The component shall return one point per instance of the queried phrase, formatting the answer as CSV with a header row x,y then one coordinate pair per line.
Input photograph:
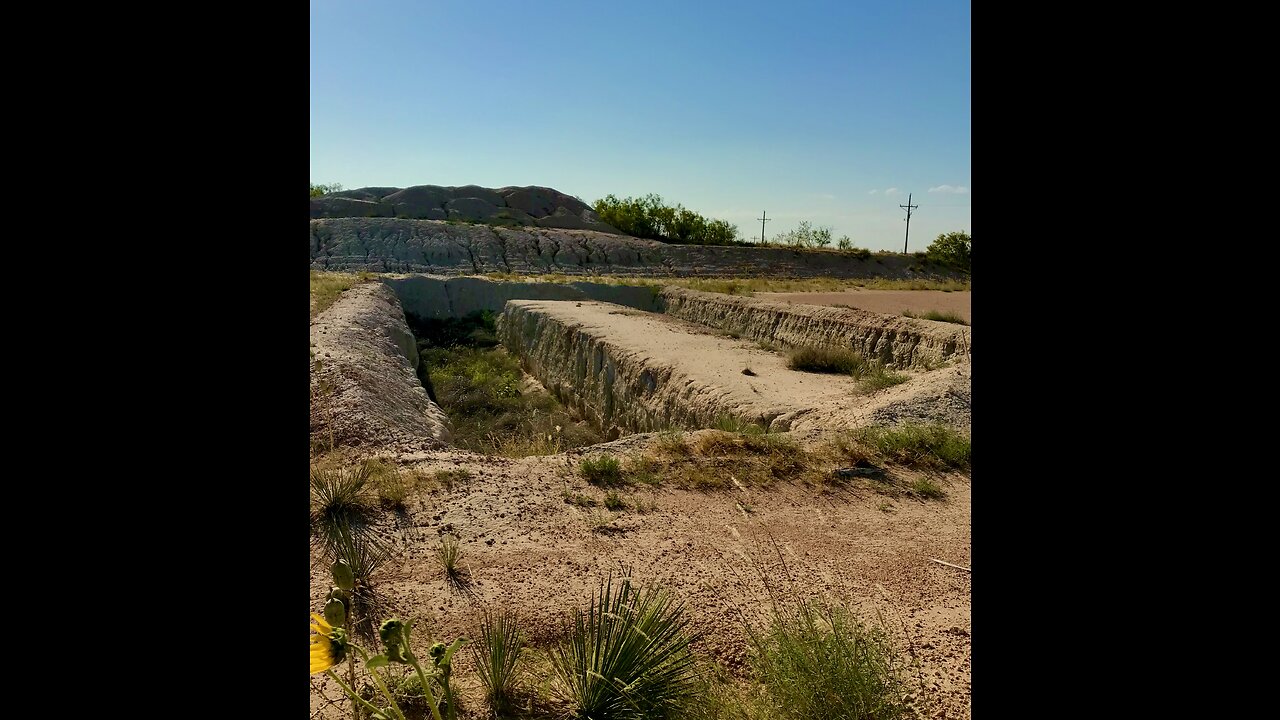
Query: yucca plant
x,y
365,554
627,657
341,506
449,554
497,654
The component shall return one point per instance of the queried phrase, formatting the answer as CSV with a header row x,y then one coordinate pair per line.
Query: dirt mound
x,y
364,389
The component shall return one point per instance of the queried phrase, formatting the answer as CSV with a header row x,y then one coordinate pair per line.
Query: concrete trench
x,y
640,359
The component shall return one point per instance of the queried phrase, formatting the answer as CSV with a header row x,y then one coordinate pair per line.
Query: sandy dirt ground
x,y
529,550
884,301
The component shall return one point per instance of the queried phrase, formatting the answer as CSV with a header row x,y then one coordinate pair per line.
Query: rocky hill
x,y
434,229
443,248
530,205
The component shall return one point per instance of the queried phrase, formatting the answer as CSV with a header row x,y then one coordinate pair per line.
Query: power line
x,y
909,208
764,219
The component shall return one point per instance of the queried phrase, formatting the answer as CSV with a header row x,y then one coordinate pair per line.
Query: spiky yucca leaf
x,y
340,506
628,656
501,641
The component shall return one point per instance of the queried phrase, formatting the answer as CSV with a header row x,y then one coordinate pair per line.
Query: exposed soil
x,y
530,551
892,302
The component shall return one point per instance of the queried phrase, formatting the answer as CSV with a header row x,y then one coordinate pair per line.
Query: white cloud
x,y
891,191
953,189
873,192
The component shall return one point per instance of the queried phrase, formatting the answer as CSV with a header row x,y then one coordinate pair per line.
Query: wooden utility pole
x,y
765,218
909,208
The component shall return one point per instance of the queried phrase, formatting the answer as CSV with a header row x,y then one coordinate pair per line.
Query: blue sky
x,y
823,111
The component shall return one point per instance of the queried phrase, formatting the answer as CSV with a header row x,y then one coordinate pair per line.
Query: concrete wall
x,y
444,297
895,340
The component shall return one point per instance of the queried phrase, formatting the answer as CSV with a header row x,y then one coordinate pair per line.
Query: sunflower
x,y
328,645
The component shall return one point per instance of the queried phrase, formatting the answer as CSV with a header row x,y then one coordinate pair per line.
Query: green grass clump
x,y
327,287
392,487
614,501
922,445
627,656
579,499
926,488
880,377
448,478
827,360
818,662
947,317
601,470
500,642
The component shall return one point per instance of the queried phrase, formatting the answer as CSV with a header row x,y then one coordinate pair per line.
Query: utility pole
x,y
765,218
909,208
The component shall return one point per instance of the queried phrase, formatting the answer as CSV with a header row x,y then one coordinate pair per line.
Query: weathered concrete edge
x,y
895,340
609,383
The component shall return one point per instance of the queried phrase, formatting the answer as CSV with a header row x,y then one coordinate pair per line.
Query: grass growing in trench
x,y
479,386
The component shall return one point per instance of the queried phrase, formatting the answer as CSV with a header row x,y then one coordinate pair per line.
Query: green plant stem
x,y
395,706
351,673
355,698
426,688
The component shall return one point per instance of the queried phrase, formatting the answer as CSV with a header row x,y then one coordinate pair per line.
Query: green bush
x,y
804,236
953,248
649,218
322,189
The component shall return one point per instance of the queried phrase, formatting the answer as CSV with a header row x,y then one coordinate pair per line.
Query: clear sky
x,y
823,111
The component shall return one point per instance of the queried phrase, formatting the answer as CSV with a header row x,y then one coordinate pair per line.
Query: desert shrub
x,y
826,360
650,218
947,317
953,248
324,189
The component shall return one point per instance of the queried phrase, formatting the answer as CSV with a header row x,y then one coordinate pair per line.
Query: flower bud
x,y
343,576
392,630
335,612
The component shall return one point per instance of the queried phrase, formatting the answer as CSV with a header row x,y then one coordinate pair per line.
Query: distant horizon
x,y
756,238
830,112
